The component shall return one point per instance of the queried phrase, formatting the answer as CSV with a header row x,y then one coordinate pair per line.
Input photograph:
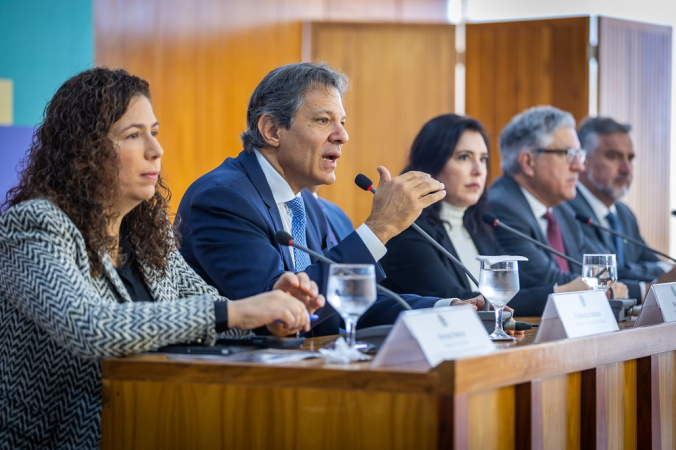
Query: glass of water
x,y
498,283
351,291
599,271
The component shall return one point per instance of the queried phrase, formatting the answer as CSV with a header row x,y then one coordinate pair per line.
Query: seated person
x,y
454,150
89,266
294,139
606,180
541,159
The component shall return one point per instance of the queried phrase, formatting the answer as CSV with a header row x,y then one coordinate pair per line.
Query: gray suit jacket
x,y
57,322
508,203
640,264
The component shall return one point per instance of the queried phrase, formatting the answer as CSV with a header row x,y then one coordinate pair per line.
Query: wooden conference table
x,y
616,390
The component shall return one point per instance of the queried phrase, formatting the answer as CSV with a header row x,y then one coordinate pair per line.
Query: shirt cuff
x,y
221,313
372,242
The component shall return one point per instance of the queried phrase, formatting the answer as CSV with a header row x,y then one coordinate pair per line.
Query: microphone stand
x,y
627,239
487,316
621,307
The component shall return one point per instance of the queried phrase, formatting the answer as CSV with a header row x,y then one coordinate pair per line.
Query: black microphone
x,y
493,221
363,182
673,213
284,238
590,222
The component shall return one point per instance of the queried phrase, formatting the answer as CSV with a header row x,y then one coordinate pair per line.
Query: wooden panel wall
x,y
203,59
401,75
635,87
511,66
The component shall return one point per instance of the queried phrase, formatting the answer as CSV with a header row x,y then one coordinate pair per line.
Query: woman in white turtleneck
x,y
454,150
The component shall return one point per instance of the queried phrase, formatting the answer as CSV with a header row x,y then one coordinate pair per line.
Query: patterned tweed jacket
x,y
56,322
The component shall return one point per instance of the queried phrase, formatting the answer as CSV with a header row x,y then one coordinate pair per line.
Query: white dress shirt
x,y
452,216
282,193
538,208
600,210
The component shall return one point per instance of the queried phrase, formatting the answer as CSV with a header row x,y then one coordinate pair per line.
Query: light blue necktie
x,y
614,223
297,207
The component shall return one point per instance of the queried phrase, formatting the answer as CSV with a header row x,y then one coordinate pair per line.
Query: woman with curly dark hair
x,y
454,150
89,265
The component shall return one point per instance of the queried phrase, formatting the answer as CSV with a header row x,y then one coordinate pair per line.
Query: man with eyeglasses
x,y
608,176
541,161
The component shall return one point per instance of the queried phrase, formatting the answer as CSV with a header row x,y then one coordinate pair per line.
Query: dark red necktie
x,y
556,241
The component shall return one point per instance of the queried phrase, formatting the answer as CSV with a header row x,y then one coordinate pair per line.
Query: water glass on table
x,y
351,291
498,283
599,271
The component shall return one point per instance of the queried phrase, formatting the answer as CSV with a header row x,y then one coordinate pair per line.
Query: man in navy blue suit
x,y
294,139
541,160
608,176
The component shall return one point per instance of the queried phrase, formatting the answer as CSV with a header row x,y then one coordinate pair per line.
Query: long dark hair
x,y
72,162
433,147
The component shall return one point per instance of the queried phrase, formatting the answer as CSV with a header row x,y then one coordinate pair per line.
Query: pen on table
x,y
312,318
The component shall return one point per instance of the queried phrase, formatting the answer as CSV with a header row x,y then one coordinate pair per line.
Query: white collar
x,y
538,208
600,210
451,213
281,190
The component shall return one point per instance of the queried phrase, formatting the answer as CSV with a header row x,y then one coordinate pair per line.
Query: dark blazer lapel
x,y
111,273
587,210
315,218
438,232
523,205
257,177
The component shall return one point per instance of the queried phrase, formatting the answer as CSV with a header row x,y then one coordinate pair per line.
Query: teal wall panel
x,y
42,44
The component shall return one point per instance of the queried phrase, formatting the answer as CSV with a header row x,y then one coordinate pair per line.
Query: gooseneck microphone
x,y
590,222
363,182
493,221
284,238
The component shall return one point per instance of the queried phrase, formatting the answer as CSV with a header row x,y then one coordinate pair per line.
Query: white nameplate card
x,y
423,338
659,305
575,314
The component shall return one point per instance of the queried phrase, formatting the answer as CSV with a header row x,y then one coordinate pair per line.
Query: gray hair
x,y
281,94
591,127
530,130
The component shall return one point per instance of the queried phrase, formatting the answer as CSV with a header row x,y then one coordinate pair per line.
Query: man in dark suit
x,y
338,223
610,171
295,133
541,160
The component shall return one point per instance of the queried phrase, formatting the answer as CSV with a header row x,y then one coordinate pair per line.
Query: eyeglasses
x,y
570,153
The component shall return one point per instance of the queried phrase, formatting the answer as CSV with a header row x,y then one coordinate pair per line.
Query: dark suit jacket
x,y
338,220
508,203
228,223
640,264
414,265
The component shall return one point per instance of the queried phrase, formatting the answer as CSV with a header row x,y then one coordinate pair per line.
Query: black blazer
x,y
640,264
413,265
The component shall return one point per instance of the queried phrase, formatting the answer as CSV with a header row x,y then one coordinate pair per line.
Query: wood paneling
x,y
582,393
204,58
511,66
401,75
635,87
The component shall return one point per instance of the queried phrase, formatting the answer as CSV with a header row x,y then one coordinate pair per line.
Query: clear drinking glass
x,y
351,291
498,283
599,271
